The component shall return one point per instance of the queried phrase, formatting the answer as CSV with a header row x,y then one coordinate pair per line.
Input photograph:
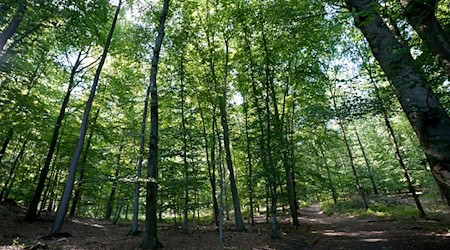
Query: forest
x,y
224,124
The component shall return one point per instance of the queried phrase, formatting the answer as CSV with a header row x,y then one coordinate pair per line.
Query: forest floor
x,y
318,231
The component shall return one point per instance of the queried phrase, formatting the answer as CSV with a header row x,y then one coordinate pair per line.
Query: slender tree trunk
x,y
5,144
222,186
421,15
13,170
366,160
211,162
256,103
250,164
62,209
396,146
287,165
399,157
426,115
292,154
53,194
273,176
127,206
340,184
77,195
11,29
227,204
185,162
150,235
134,222
112,195
118,211
226,139
330,181
32,209
350,156
352,164
53,183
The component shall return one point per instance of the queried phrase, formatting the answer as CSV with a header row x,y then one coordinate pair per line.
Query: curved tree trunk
x,y
62,209
425,113
32,209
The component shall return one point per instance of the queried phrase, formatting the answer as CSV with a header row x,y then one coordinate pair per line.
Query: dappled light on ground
x,y
87,223
317,231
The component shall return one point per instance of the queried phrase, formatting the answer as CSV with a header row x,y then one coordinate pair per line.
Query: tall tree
x,y
184,129
359,187
425,113
62,209
151,234
32,209
226,141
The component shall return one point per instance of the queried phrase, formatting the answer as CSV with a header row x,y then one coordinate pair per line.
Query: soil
x,y
318,231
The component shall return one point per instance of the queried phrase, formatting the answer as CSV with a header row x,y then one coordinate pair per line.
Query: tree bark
x,y
421,15
77,195
5,144
150,235
11,29
62,209
32,209
426,115
134,222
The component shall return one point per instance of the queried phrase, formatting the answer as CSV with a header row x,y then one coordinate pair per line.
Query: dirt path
x,y
346,232
318,231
